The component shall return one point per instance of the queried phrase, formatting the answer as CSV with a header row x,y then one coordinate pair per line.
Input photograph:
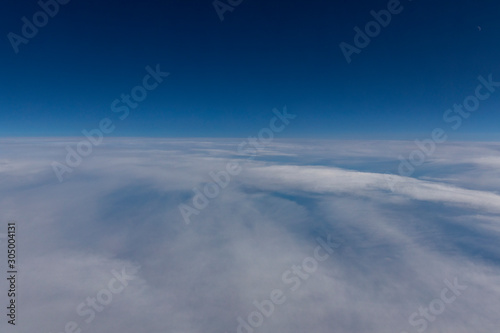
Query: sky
x,y
226,76
250,166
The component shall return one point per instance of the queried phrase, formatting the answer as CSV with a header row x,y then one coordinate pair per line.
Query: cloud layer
x,y
401,237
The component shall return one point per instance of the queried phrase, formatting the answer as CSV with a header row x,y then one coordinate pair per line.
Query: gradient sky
x,y
227,76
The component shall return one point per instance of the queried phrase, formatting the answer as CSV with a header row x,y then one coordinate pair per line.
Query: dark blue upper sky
x,y
227,76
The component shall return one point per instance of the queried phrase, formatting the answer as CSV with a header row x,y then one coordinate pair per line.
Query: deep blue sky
x,y
226,77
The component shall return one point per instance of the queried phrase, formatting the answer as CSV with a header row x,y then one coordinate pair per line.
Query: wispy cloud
x,y
119,209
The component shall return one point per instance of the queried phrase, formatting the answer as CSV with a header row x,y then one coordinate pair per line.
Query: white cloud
x,y
119,208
